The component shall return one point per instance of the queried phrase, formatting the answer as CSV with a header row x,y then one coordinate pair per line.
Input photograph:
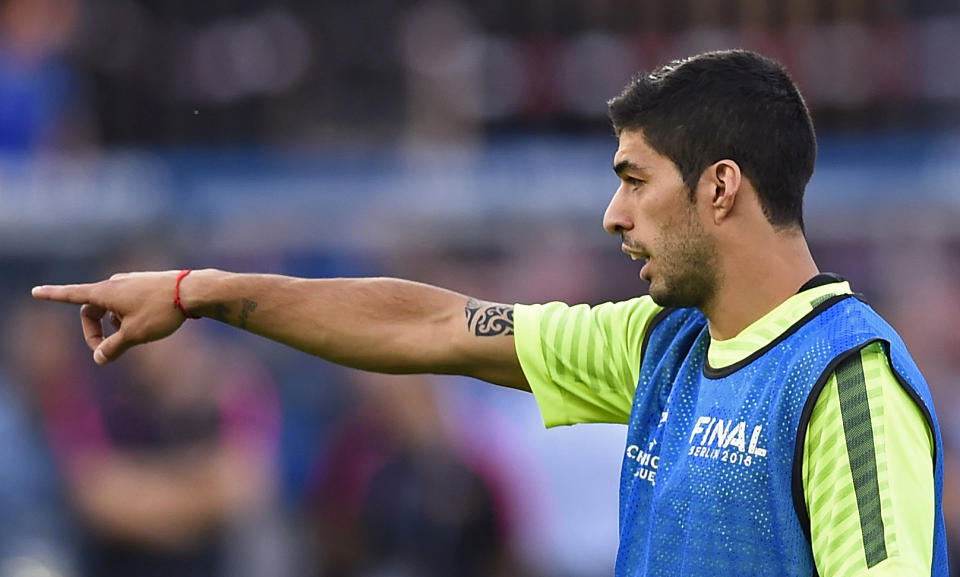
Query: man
x,y
777,425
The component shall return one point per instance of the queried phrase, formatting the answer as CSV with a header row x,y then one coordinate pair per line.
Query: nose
x,y
615,219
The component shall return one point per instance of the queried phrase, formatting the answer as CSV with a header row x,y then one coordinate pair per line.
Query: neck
x,y
765,273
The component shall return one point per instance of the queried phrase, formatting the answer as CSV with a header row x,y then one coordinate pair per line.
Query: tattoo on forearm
x,y
488,320
221,312
248,307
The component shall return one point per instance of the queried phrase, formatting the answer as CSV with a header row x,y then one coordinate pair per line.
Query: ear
x,y
722,181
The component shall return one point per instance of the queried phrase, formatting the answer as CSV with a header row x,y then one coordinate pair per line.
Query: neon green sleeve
x,y
868,474
582,363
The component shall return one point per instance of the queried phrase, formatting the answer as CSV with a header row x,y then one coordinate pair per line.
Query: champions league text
x,y
711,438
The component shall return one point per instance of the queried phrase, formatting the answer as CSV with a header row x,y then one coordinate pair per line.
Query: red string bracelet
x,y
177,303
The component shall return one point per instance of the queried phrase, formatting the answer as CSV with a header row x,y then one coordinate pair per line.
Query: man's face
x,y
653,214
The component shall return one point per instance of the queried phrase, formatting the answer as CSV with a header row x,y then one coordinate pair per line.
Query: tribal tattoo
x,y
221,312
248,307
224,314
488,320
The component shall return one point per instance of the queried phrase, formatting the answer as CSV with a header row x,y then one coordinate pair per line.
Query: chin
x,y
659,294
667,298
663,300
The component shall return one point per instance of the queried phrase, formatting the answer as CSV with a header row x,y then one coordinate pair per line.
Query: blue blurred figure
x,y
36,536
37,86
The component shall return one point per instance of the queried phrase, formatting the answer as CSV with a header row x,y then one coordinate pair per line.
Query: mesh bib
x,y
710,483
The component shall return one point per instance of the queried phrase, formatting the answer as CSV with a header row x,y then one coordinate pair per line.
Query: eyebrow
x,y
625,165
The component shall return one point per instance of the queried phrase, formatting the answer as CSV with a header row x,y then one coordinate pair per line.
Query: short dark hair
x,y
731,104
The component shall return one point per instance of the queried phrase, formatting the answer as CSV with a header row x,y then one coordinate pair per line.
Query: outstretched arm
x,y
377,324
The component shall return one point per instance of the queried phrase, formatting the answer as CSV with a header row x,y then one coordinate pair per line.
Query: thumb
x,y
111,348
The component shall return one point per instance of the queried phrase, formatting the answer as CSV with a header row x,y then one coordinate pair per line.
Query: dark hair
x,y
728,104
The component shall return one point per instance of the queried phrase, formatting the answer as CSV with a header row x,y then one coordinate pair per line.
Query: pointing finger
x,y
77,294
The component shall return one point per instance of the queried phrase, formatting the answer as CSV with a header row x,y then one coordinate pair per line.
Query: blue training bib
x,y
710,483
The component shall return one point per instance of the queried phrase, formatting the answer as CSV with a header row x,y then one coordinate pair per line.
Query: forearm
x,y
378,324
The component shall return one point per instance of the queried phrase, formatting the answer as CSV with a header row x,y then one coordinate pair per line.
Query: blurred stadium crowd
x,y
458,143
131,72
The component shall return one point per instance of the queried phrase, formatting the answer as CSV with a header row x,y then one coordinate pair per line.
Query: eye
x,y
632,181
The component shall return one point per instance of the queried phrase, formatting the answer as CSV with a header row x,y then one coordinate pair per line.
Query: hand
x,y
140,308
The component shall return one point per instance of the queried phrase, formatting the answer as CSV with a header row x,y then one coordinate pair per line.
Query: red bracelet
x,y
177,303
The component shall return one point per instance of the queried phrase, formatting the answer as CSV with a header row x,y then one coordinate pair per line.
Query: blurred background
x,y
460,143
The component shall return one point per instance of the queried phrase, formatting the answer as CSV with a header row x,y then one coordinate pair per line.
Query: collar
x,y
771,325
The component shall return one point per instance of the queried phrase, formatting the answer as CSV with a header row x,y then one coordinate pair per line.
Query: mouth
x,y
635,254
